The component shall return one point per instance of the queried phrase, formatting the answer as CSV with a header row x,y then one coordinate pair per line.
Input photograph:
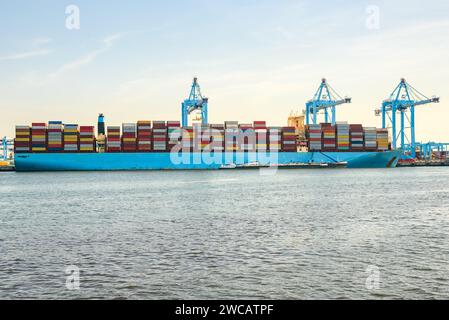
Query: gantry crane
x,y
402,102
195,102
324,99
6,146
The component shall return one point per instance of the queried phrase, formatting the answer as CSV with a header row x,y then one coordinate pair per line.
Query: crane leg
x,y
393,125
402,129
412,129
307,115
204,114
334,116
184,116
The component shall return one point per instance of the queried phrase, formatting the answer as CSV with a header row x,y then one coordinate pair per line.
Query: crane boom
x,y
324,99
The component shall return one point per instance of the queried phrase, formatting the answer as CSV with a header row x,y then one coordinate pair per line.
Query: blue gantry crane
x,y
6,146
325,99
195,102
426,150
402,103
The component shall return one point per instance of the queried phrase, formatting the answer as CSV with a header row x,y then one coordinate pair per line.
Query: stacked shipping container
x,y
55,136
38,137
159,136
87,139
343,136
289,139
260,127
382,139
329,137
174,134
113,143
315,135
144,134
129,137
218,137
71,138
247,138
370,139
357,140
22,141
187,139
231,135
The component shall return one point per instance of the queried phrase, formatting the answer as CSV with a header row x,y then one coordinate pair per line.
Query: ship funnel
x,y
101,130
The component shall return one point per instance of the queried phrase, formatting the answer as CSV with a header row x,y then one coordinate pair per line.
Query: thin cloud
x,y
89,57
42,41
26,55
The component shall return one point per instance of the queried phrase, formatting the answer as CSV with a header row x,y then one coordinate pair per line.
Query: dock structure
x,y
7,166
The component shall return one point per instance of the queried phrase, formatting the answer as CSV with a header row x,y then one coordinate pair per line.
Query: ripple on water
x,y
232,235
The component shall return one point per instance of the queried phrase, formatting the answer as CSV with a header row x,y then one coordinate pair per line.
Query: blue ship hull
x,y
192,161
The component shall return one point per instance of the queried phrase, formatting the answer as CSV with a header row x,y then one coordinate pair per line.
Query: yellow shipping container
x,y
129,139
22,139
39,136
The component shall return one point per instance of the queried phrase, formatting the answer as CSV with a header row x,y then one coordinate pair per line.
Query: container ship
x,y
167,145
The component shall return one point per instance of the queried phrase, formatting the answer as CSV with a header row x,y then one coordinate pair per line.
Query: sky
x,y
255,60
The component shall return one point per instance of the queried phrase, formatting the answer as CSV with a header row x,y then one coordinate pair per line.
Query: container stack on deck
x,y
22,141
159,136
38,137
218,137
382,140
275,139
315,135
260,127
204,138
71,138
129,137
289,139
144,136
174,135
87,139
113,143
55,136
187,139
357,141
343,137
247,138
231,135
370,139
329,137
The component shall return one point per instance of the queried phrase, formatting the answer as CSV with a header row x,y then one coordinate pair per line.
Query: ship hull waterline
x,y
124,161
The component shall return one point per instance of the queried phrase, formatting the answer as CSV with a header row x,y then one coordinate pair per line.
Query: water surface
x,y
304,234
